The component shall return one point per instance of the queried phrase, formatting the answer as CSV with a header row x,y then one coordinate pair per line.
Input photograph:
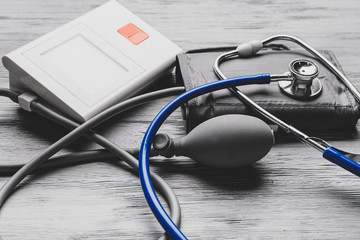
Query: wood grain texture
x,y
291,193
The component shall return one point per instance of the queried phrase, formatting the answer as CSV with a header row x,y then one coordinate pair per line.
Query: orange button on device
x,y
133,33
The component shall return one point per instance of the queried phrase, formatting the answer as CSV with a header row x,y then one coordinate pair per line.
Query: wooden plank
x,y
291,193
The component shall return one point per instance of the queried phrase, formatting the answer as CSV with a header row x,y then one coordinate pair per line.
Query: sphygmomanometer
x,y
329,105
96,66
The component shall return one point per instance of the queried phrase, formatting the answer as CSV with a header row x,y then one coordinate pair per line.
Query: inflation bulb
x,y
226,141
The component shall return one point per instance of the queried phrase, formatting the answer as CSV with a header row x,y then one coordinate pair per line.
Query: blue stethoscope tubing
x,y
163,218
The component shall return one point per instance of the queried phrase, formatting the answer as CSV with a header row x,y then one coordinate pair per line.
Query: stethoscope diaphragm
x,y
305,84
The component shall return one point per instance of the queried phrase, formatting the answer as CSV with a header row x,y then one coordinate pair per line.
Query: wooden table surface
x,y
293,193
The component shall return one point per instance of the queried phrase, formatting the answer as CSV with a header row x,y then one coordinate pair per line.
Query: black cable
x,y
63,160
13,95
62,120
71,159
83,129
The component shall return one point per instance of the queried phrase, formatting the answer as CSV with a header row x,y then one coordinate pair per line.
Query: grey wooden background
x,y
293,193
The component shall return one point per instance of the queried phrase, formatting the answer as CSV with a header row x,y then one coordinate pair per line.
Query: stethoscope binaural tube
x,y
171,229
343,159
274,78
348,161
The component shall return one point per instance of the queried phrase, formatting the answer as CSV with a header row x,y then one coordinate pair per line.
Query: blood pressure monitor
x,y
92,62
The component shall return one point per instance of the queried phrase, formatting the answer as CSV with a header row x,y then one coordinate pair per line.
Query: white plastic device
x,y
92,62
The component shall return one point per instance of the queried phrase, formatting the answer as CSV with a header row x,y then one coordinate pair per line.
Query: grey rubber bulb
x,y
227,141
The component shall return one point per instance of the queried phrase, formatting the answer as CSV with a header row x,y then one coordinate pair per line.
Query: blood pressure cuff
x,y
335,108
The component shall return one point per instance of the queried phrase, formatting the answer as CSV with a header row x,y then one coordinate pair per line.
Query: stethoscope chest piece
x,y
305,84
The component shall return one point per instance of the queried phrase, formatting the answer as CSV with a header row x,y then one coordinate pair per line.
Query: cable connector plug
x,y
26,99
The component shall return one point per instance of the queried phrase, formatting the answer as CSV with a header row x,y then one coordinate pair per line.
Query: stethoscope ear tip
x,y
249,49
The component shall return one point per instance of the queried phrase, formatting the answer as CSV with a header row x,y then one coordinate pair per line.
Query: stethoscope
x,y
300,82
